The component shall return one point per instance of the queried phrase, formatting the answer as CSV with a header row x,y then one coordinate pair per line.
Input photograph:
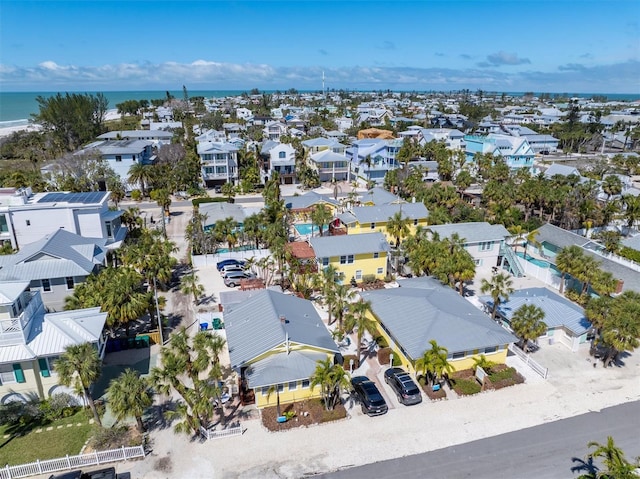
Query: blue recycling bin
x,y
204,326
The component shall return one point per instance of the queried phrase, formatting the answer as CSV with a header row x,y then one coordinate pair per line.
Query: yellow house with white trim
x,y
369,219
423,309
275,341
353,256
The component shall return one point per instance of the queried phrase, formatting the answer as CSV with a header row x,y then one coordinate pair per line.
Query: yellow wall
x,y
364,262
286,396
382,228
30,386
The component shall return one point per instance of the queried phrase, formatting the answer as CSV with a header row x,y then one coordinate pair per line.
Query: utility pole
x,y
155,296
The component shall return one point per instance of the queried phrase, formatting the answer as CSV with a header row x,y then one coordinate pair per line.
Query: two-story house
x,y
353,256
55,265
158,137
31,340
26,217
330,166
371,158
219,163
120,155
516,152
281,159
275,341
452,138
273,130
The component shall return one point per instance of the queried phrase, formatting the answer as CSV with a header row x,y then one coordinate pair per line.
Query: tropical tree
x,y
342,298
357,318
332,379
129,395
228,191
568,261
527,322
320,216
531,240
141,174
482,362
631,211
616,465
190,285
621,328
80,366
518,232
398,227
499,287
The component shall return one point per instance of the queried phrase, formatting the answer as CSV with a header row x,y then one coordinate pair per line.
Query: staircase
x,y
515,268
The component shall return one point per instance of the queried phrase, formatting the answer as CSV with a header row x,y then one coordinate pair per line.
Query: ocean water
x,y
16,108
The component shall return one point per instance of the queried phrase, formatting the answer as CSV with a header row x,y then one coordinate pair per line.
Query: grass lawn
x,y
32,445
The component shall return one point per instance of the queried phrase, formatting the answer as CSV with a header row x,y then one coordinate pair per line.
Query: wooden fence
x,y
537,367
71,462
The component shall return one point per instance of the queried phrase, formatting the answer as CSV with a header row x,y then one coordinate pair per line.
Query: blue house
x,y
516,151
371,158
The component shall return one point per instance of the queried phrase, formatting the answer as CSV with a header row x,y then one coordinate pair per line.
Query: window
x,y
118,158
282,155
376,255
373,226
28,222
280,388
478,262
265,390
46,285
293,385
305,384
415,222
325,261
486,246
4,227
490,350
70,283
350,259
380,270
458,355
343,260
11,373
109,229
359,274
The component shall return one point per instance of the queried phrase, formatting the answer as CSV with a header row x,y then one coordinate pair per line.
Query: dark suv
x,y
404,387
373,404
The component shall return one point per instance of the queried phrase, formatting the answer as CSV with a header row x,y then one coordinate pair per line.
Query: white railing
x,y
71,462
216,434
537,368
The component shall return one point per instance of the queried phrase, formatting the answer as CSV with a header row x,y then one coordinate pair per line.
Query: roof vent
x,y
283,319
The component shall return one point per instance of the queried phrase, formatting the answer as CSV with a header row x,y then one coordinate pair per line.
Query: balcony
x,y
15,331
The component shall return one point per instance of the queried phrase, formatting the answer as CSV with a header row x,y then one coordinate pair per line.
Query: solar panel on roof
x,y
85,198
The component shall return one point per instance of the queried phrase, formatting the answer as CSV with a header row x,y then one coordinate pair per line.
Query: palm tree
x,y
621,329
519,232
531,240
527,322
358,318
631,210
499,287
567,261
129,395
228,191
320,216
482,362
398,227
342,296
80,366
141,174
611,185
616,465
332,379
190,285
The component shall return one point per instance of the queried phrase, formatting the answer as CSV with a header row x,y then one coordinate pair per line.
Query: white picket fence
x,y
535,366
216,434
71,462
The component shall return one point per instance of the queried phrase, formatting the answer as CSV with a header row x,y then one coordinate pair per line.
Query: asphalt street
x,y
547,451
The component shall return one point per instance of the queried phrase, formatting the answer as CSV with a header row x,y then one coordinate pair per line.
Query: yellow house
x,y
368,219
353,256
31,340
275,341
300,207
423,309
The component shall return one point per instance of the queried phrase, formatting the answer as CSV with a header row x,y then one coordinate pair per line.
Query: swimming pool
x,y
304,229
246,247
538,262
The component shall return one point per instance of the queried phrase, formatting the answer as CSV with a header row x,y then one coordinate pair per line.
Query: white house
x,y
219,162
282,160
26,217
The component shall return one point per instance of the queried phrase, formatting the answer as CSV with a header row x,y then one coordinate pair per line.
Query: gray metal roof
x,y
136,134
422,309
558,311
254,326
551,234
330,246
472,232
630,277
11,290
327,156
382,213
216,212
632,242
57,255
307,200
283,368
379,196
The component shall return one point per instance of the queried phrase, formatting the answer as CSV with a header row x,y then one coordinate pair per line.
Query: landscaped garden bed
x,y
304,413
498,376
427,387
464,382
502,376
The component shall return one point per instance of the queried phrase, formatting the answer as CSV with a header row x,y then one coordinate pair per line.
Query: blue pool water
x,y
538,262
240,248
304,229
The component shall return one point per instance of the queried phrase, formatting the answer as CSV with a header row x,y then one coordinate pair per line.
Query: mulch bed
x,y
308,413
428,390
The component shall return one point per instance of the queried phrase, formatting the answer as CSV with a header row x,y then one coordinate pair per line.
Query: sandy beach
x,y
9,130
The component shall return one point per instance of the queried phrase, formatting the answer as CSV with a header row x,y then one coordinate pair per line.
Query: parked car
x,y
232,267
405,388
233,278
229,262
106,473
372,402
217,189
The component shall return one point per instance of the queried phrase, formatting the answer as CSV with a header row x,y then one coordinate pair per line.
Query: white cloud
x,y
211,75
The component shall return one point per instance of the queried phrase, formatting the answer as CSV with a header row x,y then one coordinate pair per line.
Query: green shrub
x,y
198,201
382,342
576,297
136,195
369,279
630,253
384,355
58,406
466,387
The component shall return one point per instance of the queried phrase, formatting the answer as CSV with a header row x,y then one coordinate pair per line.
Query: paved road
x,y
544,451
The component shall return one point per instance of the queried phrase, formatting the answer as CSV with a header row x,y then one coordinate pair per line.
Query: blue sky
x,y
573,46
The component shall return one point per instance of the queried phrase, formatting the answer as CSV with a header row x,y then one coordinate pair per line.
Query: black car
x,y
230,262
405,388
373,404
